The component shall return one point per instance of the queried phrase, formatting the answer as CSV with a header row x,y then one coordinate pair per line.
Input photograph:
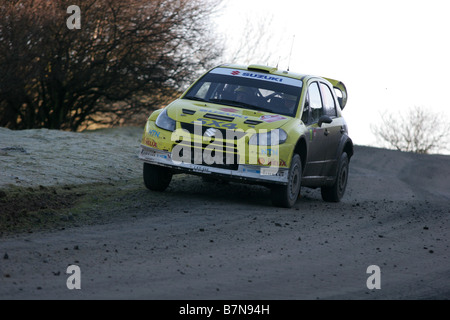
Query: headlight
x,y
271,138
165,122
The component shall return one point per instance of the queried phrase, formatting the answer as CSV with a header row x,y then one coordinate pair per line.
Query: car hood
x,y
223,116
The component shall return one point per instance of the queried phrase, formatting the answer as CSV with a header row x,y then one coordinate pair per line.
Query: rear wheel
x,y
156,178
337,190
286,196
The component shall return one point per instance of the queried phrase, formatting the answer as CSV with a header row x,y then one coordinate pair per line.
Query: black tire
x,y
337,190
286,196
156,178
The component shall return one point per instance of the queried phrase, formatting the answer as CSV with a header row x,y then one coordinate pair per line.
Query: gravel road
x,y
215,240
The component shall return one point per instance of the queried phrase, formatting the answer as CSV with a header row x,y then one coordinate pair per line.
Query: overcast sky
x,y
391,55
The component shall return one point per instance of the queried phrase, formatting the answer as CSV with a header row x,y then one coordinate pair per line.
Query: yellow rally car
x,y
253,124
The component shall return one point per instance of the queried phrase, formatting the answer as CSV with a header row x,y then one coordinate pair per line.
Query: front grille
x,y
229,155
223,159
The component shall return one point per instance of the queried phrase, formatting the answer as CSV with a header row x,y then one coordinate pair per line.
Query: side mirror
x,y
324,119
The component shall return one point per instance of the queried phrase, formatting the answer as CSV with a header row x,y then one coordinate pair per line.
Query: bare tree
x,y
418,130
256,43
128,58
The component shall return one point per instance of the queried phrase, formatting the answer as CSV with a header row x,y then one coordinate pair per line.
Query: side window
x,y
305,114
328,101
315,103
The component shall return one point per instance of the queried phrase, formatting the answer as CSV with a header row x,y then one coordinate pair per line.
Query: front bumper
x,y
251,173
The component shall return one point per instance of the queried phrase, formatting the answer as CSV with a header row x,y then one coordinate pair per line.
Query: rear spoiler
x,y
338,85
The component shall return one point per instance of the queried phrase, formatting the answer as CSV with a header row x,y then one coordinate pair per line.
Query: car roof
x,y
268,69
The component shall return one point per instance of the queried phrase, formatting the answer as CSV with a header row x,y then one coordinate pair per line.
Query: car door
x,y
332,131
316,137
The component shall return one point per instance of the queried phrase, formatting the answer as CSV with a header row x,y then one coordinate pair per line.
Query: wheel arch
x,y
346,146
302,150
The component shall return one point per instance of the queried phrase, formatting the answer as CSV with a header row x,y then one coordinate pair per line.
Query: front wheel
x,y
285,196
156,178
337,190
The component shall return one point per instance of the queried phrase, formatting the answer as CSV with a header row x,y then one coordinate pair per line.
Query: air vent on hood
x,y
218,117
187,111
253,122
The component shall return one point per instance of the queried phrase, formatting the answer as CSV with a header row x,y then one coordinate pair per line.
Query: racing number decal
x,y
217,124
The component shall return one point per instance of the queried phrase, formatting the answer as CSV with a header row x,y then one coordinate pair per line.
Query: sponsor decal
x,y
151,143
271,118
277,163
272,171
269,152
251,170
201,169
211,132
256,76
229,110
148,154
259,76
269,171
312,134
216,123
262,76
154,133
274,162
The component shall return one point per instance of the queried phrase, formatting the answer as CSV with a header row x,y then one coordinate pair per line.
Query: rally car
x,y
253,124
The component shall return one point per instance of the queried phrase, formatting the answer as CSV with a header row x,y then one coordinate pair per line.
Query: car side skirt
x,y
317,181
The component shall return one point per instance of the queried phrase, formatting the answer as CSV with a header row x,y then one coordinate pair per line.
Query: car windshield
x,y
248,89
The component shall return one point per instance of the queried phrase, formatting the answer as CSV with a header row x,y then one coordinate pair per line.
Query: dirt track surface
x,y
203,240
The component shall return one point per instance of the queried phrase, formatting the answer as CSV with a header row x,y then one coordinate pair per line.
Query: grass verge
x,y
27,210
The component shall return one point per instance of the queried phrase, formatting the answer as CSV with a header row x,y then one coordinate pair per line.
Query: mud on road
x,y
78,199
